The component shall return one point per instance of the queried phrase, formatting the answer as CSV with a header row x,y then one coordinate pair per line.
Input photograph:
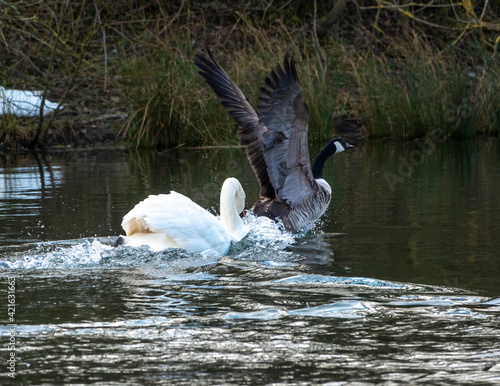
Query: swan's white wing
x,y
184,222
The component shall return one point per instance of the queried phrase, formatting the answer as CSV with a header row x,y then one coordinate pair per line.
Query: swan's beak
x,y
244,213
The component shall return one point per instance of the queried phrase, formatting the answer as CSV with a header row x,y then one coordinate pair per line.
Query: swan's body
x,y
291,190
175,221
24,103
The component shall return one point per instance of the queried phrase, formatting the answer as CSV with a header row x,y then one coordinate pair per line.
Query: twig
x,y
319,49
484,11
104,45
173,19
39,127
39,130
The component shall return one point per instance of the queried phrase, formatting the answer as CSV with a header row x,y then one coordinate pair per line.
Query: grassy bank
x,y
128,68
411,98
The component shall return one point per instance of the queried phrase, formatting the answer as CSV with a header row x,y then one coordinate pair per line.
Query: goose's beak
x,y
349,146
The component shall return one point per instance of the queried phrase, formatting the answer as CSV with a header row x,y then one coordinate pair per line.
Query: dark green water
x,y
398,283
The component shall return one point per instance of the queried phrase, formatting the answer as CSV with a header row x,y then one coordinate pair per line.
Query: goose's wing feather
x,y
250,130
189,225
283,111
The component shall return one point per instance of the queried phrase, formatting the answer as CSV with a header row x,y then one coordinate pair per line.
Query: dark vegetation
x,y
123,71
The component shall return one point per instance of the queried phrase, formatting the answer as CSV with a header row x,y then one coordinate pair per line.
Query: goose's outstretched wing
x,y
250,130
284,113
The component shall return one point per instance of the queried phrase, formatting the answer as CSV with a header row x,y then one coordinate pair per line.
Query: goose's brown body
x,y
294,218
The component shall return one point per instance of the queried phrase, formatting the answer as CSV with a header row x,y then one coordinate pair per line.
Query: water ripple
x,y
354,281
348,309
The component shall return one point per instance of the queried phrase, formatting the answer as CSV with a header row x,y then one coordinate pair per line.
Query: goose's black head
x,y
334,145
337,145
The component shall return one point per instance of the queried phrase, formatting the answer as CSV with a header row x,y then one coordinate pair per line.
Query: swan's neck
x,y
319,162
229,216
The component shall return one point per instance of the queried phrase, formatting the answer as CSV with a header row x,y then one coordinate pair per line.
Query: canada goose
x,y
24,103
277,148
174,221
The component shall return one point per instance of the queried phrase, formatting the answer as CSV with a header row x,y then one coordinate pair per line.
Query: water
x,y
397,284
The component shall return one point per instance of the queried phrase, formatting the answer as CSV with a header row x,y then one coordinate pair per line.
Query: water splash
x,y
266,232
267,240
57,254
96,252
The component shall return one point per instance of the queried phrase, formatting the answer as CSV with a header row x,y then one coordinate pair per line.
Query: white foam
x,y
266,232
83,253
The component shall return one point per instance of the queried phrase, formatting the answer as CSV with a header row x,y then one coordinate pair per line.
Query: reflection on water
x,y
397,283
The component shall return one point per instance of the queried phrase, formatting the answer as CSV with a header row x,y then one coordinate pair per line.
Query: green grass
x,y
161,102
411,98
320,91
170,104
11,132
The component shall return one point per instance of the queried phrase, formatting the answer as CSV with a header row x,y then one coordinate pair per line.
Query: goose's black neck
x,y
319,162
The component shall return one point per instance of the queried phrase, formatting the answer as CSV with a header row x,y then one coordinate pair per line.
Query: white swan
x,y
24,103
174,221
